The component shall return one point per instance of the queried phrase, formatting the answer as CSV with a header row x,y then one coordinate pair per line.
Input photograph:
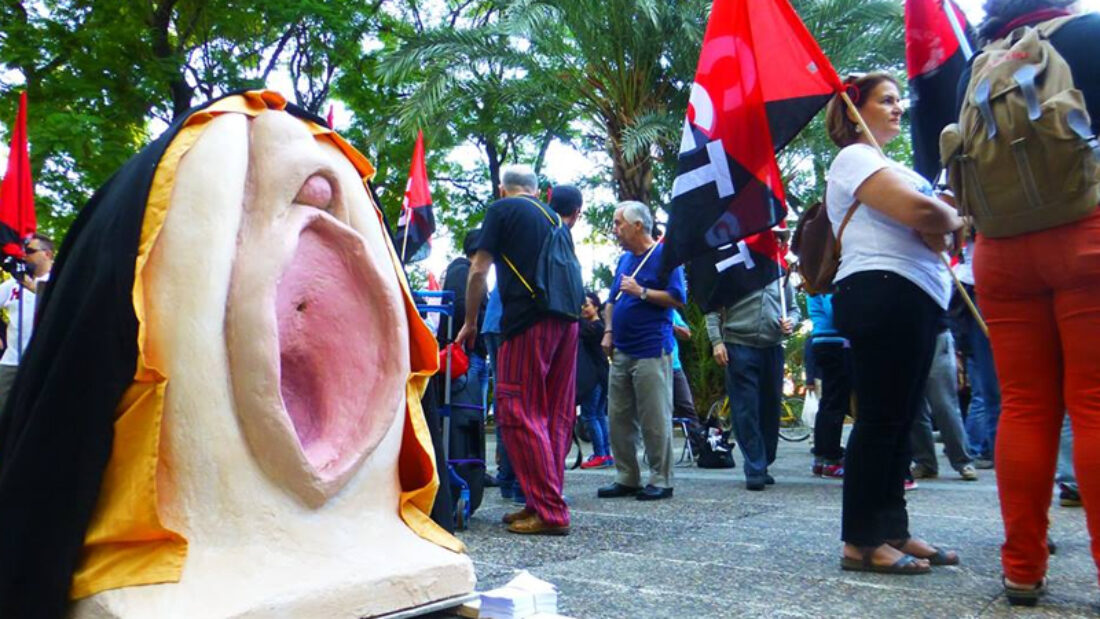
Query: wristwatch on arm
x,y
645,293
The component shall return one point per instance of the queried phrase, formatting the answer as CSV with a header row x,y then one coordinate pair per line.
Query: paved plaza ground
x,y
717,550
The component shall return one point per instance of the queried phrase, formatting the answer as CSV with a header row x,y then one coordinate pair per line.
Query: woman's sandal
x,y
940,557
1024,597
906,565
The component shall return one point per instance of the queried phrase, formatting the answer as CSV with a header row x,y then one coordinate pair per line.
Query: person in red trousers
x,y
1040,294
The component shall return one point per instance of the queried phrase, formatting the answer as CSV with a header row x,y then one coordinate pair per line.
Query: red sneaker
x,y
593,462
835,471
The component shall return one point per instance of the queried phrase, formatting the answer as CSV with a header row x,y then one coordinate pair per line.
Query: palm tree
x,y
469,74
628,64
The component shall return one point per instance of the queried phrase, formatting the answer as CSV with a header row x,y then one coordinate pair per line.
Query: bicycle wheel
x,y
719,412
791,426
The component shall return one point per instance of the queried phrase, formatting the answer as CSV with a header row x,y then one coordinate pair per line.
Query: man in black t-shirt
x,y
536,364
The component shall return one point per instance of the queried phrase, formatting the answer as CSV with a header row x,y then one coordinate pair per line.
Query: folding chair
x,y
687,454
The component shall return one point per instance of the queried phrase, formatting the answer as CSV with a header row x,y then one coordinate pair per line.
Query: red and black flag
x,y
735,271
761,77
17,219
417,222
938,44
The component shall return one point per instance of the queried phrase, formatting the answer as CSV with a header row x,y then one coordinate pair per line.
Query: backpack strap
x,y
509,262
843,222
516,271
553,222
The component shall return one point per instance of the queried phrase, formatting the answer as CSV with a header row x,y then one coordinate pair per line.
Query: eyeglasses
x,y
30,251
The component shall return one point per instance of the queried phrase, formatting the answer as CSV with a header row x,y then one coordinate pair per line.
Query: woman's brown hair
x,y
842,131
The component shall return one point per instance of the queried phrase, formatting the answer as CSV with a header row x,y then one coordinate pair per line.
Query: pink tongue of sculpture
x,y
329,350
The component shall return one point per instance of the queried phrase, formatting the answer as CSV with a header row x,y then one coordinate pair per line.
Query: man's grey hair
x,y
635,212
519,176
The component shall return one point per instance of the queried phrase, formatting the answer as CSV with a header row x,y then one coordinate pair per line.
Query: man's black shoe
x,y
769,480
617,490
653,493
755,484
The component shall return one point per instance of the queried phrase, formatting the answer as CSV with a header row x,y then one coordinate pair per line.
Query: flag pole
x,y
859,121
635,273
19,335
782,295
405,239
782,286
957,28
20,271
955,278
966,297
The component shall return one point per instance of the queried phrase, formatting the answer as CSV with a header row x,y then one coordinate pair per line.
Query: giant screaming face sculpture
x,y
270,457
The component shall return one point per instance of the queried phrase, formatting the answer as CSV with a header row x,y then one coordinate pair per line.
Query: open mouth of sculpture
x,y
334,318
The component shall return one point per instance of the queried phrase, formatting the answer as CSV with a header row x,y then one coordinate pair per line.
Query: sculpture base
x,y
239,583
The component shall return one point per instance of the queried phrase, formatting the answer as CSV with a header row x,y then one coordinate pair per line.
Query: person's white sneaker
x,y
968,473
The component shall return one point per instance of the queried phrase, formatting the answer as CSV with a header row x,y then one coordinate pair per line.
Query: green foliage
x,y
102,77
602,276
707,380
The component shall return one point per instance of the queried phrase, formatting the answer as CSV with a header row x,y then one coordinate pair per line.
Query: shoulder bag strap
x,y
509,262
545,214
516,271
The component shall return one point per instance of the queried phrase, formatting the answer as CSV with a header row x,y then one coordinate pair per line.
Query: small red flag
x,y
329,119
17,218
417,223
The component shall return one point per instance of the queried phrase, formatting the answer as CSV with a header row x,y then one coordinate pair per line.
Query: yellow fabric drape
x,y
126,543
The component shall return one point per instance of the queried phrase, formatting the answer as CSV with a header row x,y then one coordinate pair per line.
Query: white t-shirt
x,y
874,241
10,291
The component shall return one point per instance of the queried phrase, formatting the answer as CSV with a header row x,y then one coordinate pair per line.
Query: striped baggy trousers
x,y
536,384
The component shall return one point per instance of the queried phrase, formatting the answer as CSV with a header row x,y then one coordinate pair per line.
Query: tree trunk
x,y
633,179
544,144
160,24
494,165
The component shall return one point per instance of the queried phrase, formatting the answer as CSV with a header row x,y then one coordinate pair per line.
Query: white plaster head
x,y
273,305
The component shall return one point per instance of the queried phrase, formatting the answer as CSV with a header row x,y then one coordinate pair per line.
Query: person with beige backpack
x,y
1025,164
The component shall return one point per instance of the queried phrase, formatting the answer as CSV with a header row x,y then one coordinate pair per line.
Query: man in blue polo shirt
x,y
638,335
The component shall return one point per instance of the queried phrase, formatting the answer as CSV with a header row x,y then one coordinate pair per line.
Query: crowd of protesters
x,y
887,347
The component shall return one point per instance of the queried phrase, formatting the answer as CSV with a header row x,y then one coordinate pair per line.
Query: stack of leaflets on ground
x,y
523,596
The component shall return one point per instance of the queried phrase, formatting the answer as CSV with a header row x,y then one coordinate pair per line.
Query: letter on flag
x,y
761,77
17,218
417,222
938,43
736,270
